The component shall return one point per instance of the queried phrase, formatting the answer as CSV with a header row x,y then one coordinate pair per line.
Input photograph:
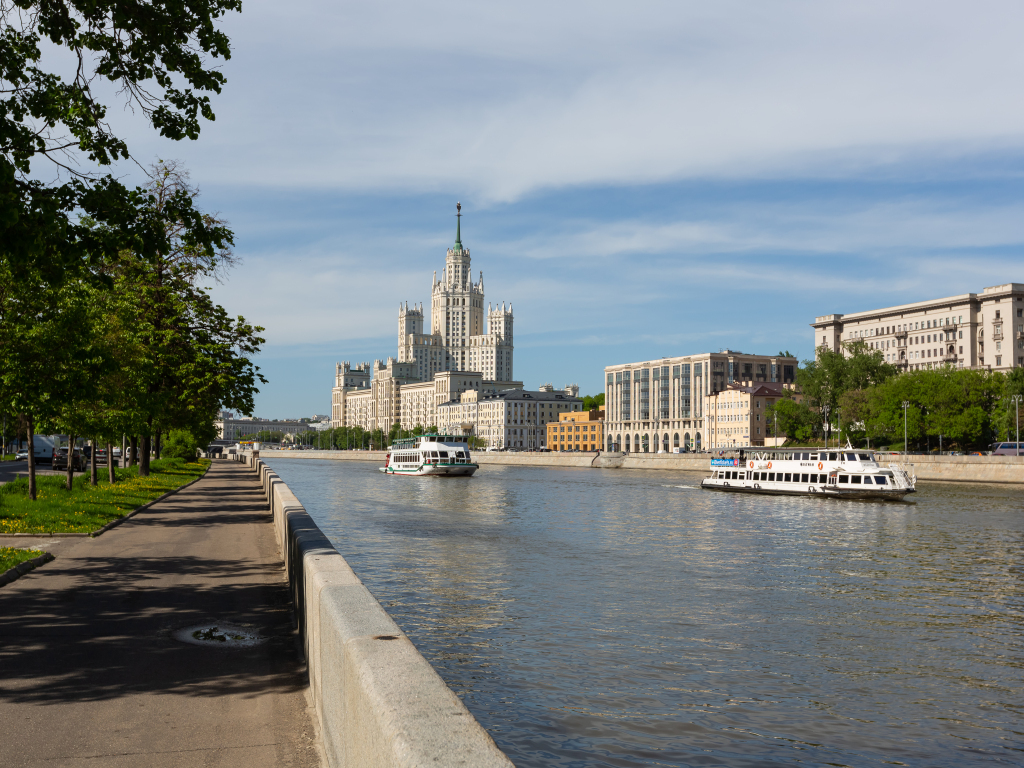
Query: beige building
x,y
659,406
580,431
508,419
737,415
239,429
971,330
458,340
459,354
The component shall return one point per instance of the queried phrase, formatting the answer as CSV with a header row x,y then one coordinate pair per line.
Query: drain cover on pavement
x,y
219,636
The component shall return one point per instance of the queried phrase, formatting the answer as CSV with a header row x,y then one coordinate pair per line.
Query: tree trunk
x,y
133,448
144,456
71,461
156,445
92,464
31,458
110,463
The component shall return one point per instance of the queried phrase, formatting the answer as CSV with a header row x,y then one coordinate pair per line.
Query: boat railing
x,y
901,477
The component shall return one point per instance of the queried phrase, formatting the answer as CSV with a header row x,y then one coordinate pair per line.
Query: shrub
x,y
180,444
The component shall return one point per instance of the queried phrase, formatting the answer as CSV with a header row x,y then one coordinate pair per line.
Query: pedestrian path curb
x,y
15,573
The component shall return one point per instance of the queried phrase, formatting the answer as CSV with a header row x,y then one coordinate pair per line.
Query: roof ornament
x,y
458,226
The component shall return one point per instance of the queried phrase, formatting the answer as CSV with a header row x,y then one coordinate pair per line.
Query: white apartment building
x,y
971,330
657,406
509,419
239,429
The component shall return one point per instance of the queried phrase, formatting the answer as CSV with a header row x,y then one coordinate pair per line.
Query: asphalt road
x,y
92,675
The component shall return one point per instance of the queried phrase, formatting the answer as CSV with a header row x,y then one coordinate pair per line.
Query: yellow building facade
x,y
579,431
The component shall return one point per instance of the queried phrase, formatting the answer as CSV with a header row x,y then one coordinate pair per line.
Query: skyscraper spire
x,y
458,226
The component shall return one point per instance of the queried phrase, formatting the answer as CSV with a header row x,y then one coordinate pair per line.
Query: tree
x,y
795,420
593,402
157,56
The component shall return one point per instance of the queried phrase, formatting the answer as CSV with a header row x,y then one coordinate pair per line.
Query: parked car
x,y
1008,449
60,460
21,455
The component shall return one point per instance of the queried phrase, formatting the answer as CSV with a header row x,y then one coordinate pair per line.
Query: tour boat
x,y
439,455
834,473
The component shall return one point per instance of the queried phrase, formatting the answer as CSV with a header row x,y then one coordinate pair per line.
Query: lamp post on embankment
x,y
906,404
1016,407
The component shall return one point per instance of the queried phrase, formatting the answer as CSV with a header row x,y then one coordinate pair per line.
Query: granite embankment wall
x,y
377,700
960,469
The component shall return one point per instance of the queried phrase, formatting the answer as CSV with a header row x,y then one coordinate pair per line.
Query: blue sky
x,y
638,180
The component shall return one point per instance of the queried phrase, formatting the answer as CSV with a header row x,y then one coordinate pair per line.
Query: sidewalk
x,y
90,674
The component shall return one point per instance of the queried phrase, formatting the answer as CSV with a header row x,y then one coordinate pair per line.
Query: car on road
x,y
60,460
21,455
1007,449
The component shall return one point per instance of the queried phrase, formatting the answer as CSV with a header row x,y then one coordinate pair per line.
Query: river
x,y
627,618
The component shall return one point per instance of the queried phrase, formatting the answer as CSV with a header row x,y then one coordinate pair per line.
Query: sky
x,y
638,180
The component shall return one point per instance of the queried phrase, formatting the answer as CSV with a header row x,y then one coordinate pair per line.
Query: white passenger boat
x,y
443,455
844,474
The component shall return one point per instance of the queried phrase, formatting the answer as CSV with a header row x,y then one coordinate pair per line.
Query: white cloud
x,y
501,100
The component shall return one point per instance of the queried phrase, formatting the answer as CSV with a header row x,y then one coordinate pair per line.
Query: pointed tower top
x,y
458,226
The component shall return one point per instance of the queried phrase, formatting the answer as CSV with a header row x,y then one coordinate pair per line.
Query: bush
x,y
180,444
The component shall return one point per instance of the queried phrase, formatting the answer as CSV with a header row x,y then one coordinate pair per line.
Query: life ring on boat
x,y
819,466
769,465
751,465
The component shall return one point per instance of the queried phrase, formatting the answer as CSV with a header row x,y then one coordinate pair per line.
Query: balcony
x,y
901,363
949,357
901,334
997,333
1020,334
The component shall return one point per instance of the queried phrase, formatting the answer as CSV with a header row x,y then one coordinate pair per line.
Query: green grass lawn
x,y
10,557
86,508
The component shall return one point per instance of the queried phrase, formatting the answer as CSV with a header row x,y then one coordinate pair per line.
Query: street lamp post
x,y
906,404
1016,406
825,409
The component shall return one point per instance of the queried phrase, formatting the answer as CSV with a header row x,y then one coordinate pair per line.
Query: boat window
x,y
855,479
832,457
879,479
864,456
803,478
771,477
844,479
789,477
433,454
805,457
814,457
851,457
814,478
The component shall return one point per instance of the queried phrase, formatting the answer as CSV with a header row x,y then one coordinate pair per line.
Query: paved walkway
x,y
90,674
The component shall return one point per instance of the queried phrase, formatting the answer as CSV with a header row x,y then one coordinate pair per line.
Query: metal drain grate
x,y
219,636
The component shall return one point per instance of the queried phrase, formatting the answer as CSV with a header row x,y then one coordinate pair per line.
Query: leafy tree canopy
x,y
157,56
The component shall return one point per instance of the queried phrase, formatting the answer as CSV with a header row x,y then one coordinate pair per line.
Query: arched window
x,y
627,443
647,443
687,445
610,444
675,440
697,443
636,443
664,443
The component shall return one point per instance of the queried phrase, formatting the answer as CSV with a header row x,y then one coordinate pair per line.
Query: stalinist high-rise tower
x,y
458,340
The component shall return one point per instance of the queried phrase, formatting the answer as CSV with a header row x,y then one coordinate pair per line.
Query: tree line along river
x,y
627,618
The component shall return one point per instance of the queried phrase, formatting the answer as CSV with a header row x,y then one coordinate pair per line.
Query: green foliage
x,y
156,58
86,507
787,353
827,379
180,444
795,420
592,402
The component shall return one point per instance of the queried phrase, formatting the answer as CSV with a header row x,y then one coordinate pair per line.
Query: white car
x,y
21,455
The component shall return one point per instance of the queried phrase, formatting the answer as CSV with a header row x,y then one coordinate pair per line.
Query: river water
x,y
627,618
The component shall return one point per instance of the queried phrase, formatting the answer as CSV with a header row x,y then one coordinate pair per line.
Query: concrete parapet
x,y
377,700
960,469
